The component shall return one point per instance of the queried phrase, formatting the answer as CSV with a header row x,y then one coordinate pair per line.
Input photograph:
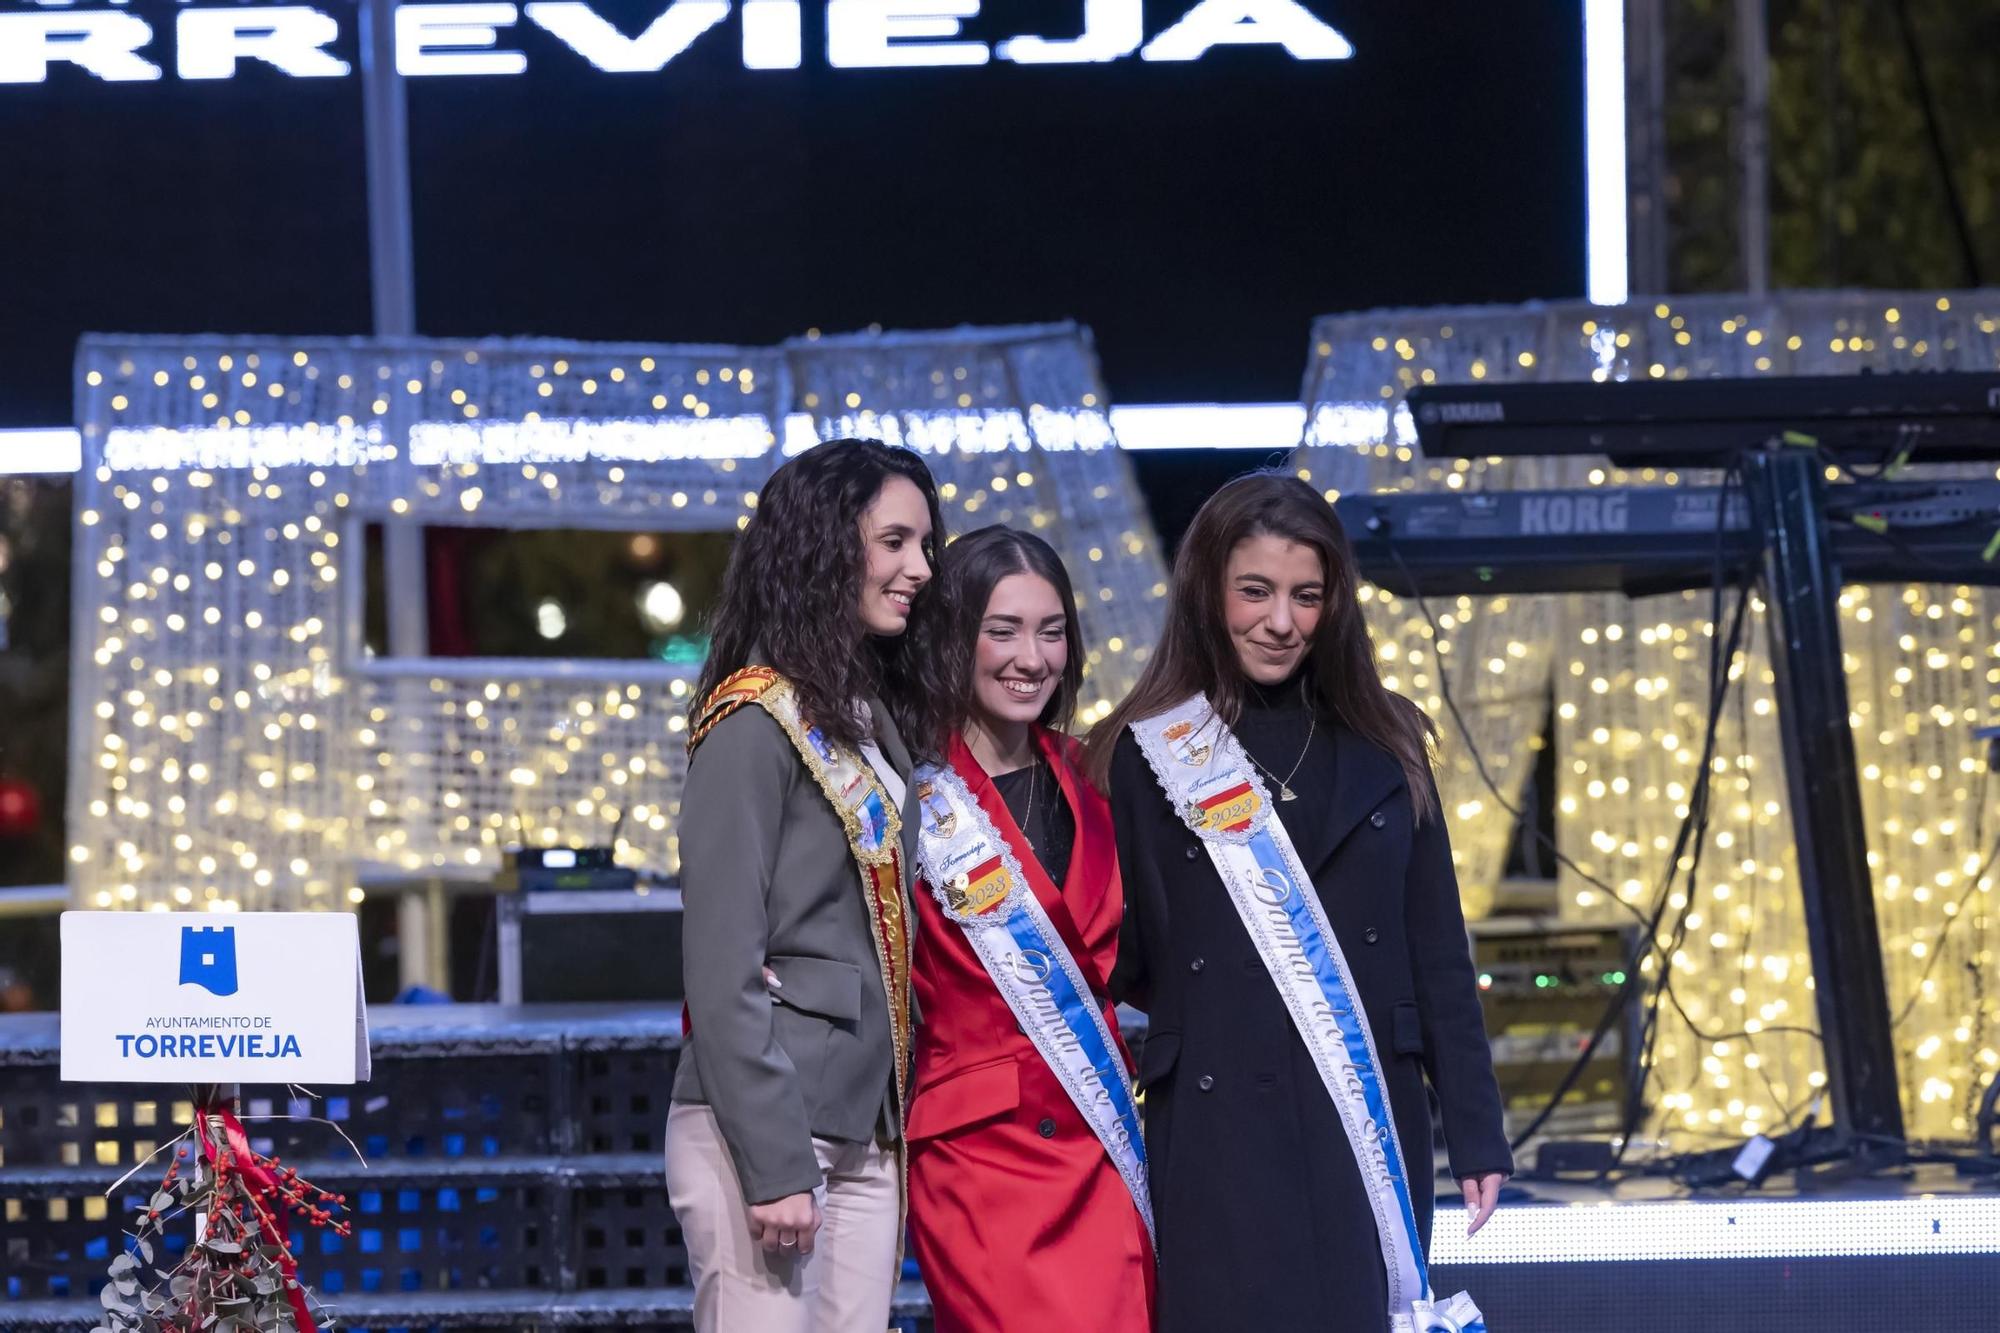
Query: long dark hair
x,y
1195,653
792,592
975,566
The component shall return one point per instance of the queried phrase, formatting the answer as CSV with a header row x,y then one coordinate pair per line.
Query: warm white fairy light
x,y
238,749
245,755
1629,680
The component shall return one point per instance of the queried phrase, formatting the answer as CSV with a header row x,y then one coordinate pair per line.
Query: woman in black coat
x,y
1263,1218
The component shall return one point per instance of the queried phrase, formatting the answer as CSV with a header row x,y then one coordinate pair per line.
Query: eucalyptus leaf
x,y
124,1263
162,1201
145,1248
222,1247
111,1299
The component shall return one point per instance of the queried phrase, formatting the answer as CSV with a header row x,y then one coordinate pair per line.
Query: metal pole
x,y
1754,143
1830,119
391,261
392,283
1802,582
1646,144
392,276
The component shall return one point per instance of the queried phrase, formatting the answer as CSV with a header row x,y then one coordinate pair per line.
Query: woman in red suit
x,y
1027,1185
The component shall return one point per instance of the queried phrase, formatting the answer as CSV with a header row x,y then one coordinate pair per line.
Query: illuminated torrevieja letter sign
x,y
471,37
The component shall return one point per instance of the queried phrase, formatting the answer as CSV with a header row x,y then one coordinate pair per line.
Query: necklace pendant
x,y
1286,793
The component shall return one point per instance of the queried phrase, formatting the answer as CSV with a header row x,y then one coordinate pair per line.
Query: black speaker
x,y
599,945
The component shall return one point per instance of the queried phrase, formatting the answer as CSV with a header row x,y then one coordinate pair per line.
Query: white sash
x,y
977,880
1217,793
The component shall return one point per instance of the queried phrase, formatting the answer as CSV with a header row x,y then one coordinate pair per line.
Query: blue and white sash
x,y
976,878
1217,792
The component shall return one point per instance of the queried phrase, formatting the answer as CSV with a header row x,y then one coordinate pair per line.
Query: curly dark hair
x,y
979,560
791,597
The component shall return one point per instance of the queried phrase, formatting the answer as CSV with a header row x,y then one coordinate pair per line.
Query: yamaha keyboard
x,y
1937,416
1647,540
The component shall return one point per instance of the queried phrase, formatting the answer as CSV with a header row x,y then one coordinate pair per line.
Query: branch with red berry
x,y
239,1273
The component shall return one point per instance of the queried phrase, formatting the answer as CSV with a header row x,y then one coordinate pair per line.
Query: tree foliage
x,y
1856,195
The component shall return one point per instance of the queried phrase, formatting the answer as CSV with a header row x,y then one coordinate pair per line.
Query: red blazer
x,y
1018,1219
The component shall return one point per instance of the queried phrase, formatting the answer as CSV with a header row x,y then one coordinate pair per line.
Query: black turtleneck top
x,y
1273,728
1049,827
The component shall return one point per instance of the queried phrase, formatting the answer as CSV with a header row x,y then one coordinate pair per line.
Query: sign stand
x,y
213,1003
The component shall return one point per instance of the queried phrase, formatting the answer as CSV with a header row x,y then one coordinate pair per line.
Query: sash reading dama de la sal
x,y
1211,784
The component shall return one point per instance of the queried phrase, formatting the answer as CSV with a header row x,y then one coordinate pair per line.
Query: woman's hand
x,y
1482,1196
785,1224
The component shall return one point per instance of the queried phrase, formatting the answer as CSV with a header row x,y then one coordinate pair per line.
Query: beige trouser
x,y
843,1286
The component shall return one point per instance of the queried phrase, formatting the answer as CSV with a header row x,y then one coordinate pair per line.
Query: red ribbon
x,y
265,1196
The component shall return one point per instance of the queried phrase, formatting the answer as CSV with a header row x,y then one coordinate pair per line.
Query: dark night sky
x,y
1196,215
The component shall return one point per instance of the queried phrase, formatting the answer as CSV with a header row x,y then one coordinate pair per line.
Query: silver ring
x,y
788,1244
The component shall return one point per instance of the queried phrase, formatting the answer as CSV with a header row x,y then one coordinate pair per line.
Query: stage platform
x,y
514,1182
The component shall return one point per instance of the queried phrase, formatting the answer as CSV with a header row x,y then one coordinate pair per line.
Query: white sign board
x,y
246,997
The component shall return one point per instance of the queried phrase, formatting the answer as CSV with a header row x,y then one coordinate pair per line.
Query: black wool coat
x,y
1263,1220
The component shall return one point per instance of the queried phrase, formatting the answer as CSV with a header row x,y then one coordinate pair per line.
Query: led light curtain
x,y
1629,682
236,746
1014,425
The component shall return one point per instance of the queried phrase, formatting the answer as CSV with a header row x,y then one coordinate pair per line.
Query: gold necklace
x,y
1034,780
1285,792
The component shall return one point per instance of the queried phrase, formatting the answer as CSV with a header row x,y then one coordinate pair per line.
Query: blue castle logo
x,y
208,958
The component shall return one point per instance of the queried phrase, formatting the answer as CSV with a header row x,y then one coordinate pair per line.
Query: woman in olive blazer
x,y
783,1138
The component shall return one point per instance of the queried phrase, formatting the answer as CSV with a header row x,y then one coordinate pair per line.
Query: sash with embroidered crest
x,y
873,826
975,874
1216,791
